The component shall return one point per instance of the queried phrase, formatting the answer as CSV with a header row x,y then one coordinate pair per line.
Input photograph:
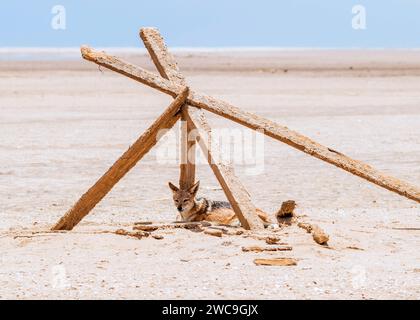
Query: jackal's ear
x,y
193,190
172,186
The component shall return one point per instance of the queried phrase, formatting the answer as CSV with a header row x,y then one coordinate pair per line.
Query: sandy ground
x,y
63,123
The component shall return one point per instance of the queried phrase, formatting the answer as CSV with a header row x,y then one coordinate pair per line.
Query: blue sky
x,y
213,23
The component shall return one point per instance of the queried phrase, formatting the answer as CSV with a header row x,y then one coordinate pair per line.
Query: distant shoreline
x,y
73,53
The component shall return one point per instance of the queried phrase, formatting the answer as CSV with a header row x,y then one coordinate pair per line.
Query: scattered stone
x,y
213,232
273,226
121,232
157,236
149,228
305,226
272,240
234,232
143,222
355,248
137,234
318,234
286,210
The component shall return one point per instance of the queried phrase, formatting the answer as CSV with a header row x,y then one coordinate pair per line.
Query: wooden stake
x,y
127,161
255,122
168,69
232,187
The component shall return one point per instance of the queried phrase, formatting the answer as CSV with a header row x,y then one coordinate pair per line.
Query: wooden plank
x,y
123,165
236,194
168,69
162,58
255,122
276,262
187,148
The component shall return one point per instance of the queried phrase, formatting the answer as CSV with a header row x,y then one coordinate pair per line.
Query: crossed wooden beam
x,y
188,105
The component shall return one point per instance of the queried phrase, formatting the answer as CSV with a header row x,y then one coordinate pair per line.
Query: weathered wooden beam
x,y
168,69
162,58
236,194
123,165
255,122
187,166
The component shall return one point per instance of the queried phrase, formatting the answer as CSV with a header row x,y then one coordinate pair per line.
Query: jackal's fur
x,y
191,208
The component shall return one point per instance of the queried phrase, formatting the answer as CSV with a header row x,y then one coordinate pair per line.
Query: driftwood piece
x,y
286,210
255,122
162,58
234,190
318,234
267,248
168,69
305,226
213,232
276,262
175,225
272,240
143,222
123,165
187,158
148,228
136,234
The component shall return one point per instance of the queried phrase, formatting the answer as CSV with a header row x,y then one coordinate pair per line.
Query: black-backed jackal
x,y
191,208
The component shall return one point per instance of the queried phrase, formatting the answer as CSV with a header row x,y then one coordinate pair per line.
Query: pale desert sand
x,y
63,123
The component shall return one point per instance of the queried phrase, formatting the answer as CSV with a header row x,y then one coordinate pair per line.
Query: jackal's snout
x,y
184,199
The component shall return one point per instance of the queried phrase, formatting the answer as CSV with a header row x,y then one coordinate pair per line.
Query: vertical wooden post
x,y
168,69
187,149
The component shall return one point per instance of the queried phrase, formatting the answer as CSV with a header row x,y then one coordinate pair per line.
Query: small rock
x,y
213,232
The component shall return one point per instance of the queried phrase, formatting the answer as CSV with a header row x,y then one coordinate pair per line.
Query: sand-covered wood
x,y
266,248
135,234
148,228
162,58
255,122
234,190
123,165
319,235
213,232
287,209
276,262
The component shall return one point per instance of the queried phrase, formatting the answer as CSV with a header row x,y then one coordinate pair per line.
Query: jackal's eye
x,y
185,201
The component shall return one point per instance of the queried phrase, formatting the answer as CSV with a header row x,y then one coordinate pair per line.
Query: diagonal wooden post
x,y
168,69
194,119
234,190
123,165
255,122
